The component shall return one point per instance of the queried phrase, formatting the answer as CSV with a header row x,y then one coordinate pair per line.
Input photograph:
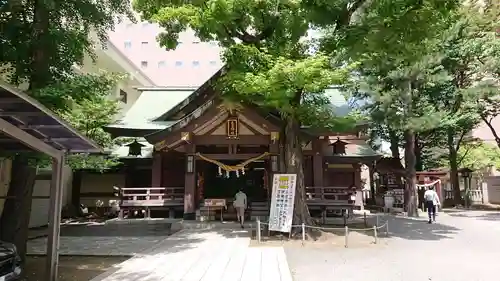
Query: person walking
x,y
240,204
431,202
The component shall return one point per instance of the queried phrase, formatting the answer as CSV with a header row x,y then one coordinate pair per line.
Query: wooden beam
x,y
242,156
29,140
241,140
21,113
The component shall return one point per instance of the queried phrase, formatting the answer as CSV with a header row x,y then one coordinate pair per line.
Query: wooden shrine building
x,y
190,146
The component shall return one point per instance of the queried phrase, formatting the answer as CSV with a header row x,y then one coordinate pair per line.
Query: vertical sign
x,y
282,202
232,128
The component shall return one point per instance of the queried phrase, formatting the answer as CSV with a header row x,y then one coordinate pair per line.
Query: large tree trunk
x,y
453,161
411,178
394,138
294,165
419,164
14,221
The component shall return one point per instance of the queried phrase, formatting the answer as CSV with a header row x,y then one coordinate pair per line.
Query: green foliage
x,y
267,60
84,102
479,156
57,33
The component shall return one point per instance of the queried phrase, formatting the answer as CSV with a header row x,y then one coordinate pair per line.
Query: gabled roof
x,y
142,117
160,108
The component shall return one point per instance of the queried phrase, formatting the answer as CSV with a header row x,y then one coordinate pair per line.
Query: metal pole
x,y
258,230
375,234
56,193
303,233
387,229
364,219
346,242
377,221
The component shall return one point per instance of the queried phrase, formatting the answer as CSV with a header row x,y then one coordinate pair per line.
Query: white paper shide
x,y
282,202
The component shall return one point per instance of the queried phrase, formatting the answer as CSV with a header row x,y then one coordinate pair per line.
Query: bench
x,y
150,198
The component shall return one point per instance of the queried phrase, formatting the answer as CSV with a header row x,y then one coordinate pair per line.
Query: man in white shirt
x,y
431,201
240,204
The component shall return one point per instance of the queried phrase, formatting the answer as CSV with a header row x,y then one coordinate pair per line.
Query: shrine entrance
x,y
226,185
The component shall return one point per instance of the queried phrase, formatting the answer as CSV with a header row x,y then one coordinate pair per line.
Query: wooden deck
x,y
194,255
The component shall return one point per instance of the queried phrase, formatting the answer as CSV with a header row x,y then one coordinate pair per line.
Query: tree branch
x,y
345,18
492,129
459,162
459,142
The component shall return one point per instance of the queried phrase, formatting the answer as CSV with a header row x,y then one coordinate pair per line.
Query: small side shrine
x,y
390,183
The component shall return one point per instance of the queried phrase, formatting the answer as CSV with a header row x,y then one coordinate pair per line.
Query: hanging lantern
x,y
220,171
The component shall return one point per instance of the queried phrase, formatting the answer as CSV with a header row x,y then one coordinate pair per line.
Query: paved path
x,y
104,239
463,246
198,255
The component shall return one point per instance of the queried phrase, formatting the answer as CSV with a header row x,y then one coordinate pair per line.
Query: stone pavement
x,y
459,247
204,255
104,239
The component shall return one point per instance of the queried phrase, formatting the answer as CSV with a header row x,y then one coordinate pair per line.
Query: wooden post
x,y
387,229
303,233
258,230
346,241
375,234
376,224
364,218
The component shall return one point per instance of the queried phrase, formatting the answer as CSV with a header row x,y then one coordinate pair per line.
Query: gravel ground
x,y
462,246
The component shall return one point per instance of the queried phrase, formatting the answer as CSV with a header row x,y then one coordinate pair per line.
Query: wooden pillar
x,y
359,189
156,170
190,186
372,168
318,166
274,149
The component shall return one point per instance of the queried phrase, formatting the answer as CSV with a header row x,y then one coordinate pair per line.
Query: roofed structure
x,y
26,125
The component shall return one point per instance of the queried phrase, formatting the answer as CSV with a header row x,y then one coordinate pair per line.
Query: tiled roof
x,y
151,104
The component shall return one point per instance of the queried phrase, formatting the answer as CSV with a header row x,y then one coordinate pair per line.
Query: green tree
x,y
267,62
391,41
41,41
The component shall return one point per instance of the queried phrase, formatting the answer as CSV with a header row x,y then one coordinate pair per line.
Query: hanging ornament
x,y
237,173
227,174
220,171
243,170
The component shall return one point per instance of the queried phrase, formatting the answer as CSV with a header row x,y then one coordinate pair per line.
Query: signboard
x,y
215,202
282,202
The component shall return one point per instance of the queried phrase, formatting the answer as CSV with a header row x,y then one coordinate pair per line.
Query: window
x,y
213,63
127,44
196,63
161,64
144,43
123,96
144,64
178,63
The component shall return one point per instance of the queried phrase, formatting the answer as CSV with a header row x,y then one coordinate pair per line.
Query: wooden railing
x,y
151,196
329,195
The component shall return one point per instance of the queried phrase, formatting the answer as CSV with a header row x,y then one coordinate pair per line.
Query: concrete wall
x,y
99,183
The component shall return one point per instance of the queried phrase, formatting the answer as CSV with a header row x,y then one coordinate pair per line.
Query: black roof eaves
x,y
199,91
93,147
